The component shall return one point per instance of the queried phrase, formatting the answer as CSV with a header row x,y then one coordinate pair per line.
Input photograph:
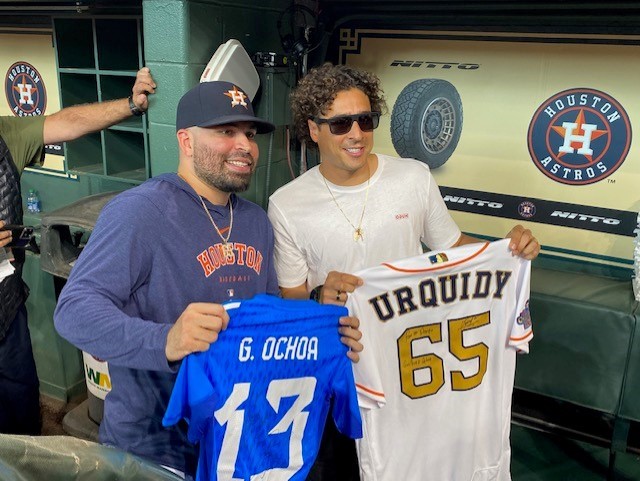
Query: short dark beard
x,y
209,167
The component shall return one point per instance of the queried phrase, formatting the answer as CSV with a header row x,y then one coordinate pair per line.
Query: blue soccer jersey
x,y
257,400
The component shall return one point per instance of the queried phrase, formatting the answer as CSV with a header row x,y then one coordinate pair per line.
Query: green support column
x,y
180,36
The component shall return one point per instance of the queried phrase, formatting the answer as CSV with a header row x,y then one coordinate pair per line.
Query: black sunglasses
x,y
341,124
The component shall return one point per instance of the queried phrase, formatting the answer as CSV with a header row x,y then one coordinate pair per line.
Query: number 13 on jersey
x,y
232,415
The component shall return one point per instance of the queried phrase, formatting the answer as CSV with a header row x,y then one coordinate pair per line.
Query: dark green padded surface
x,y
630,408
583,328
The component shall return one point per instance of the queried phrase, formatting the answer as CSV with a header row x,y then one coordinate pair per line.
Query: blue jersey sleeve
x,y
193,397
346,413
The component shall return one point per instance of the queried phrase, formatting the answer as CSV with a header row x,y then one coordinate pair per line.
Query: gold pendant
x,y
227,250
358,234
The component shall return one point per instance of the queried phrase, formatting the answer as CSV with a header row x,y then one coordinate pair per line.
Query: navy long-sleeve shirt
x,y
152,252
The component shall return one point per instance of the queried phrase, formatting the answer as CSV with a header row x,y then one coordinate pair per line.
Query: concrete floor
x,y
53,412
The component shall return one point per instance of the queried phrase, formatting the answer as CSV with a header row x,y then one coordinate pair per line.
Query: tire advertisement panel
x,y
530,129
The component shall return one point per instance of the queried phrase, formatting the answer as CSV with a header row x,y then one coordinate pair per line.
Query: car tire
x,y
426,121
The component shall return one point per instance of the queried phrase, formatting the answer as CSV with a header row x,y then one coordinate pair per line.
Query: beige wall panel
x,y
500,95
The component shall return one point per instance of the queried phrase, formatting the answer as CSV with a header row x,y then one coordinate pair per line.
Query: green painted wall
x,y
177,60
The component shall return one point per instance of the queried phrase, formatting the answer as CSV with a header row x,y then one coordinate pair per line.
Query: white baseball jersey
x,y
440,333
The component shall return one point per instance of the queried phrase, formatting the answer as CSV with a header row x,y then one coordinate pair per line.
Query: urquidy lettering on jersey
x,y
435,291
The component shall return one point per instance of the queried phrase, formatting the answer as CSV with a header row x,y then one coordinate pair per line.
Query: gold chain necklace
x,y
227,249
358,232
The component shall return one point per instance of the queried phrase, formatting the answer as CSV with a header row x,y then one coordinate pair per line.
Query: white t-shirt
x,y
440,334
312,236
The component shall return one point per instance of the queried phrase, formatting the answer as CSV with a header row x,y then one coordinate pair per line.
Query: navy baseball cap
x,y
217,103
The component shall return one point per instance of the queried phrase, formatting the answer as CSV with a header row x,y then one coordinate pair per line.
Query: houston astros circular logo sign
x,y
25,90
579,136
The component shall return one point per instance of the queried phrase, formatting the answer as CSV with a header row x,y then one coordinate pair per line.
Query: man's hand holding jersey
x,y
523,243
335,291
195,330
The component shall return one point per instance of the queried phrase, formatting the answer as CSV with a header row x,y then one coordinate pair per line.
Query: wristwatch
x,y
314,295
135,110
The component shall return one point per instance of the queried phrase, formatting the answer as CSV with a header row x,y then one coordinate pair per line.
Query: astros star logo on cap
x,y
237,97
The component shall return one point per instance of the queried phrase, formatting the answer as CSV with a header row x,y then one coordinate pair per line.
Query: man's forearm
x,y
465,239
299,292
73,122
78,120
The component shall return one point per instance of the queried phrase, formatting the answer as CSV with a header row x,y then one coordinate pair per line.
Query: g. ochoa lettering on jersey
x,y
446,289
284,348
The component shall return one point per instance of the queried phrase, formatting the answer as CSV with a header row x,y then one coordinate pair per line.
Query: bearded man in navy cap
x,y
147,289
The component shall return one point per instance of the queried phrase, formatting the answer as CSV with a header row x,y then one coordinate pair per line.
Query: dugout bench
x,y
582,375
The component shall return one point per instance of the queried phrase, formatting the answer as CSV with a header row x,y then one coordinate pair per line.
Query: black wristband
x,y
135,110
314,295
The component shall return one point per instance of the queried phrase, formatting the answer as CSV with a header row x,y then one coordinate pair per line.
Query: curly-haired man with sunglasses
x,y
354,210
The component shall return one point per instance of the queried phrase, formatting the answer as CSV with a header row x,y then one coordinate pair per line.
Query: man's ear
x,y
313,130
185,141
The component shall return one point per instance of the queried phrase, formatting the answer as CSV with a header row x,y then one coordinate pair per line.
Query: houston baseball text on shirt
x,y
240,254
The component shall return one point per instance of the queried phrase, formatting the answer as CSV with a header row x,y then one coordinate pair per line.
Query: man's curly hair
x,y
317,90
